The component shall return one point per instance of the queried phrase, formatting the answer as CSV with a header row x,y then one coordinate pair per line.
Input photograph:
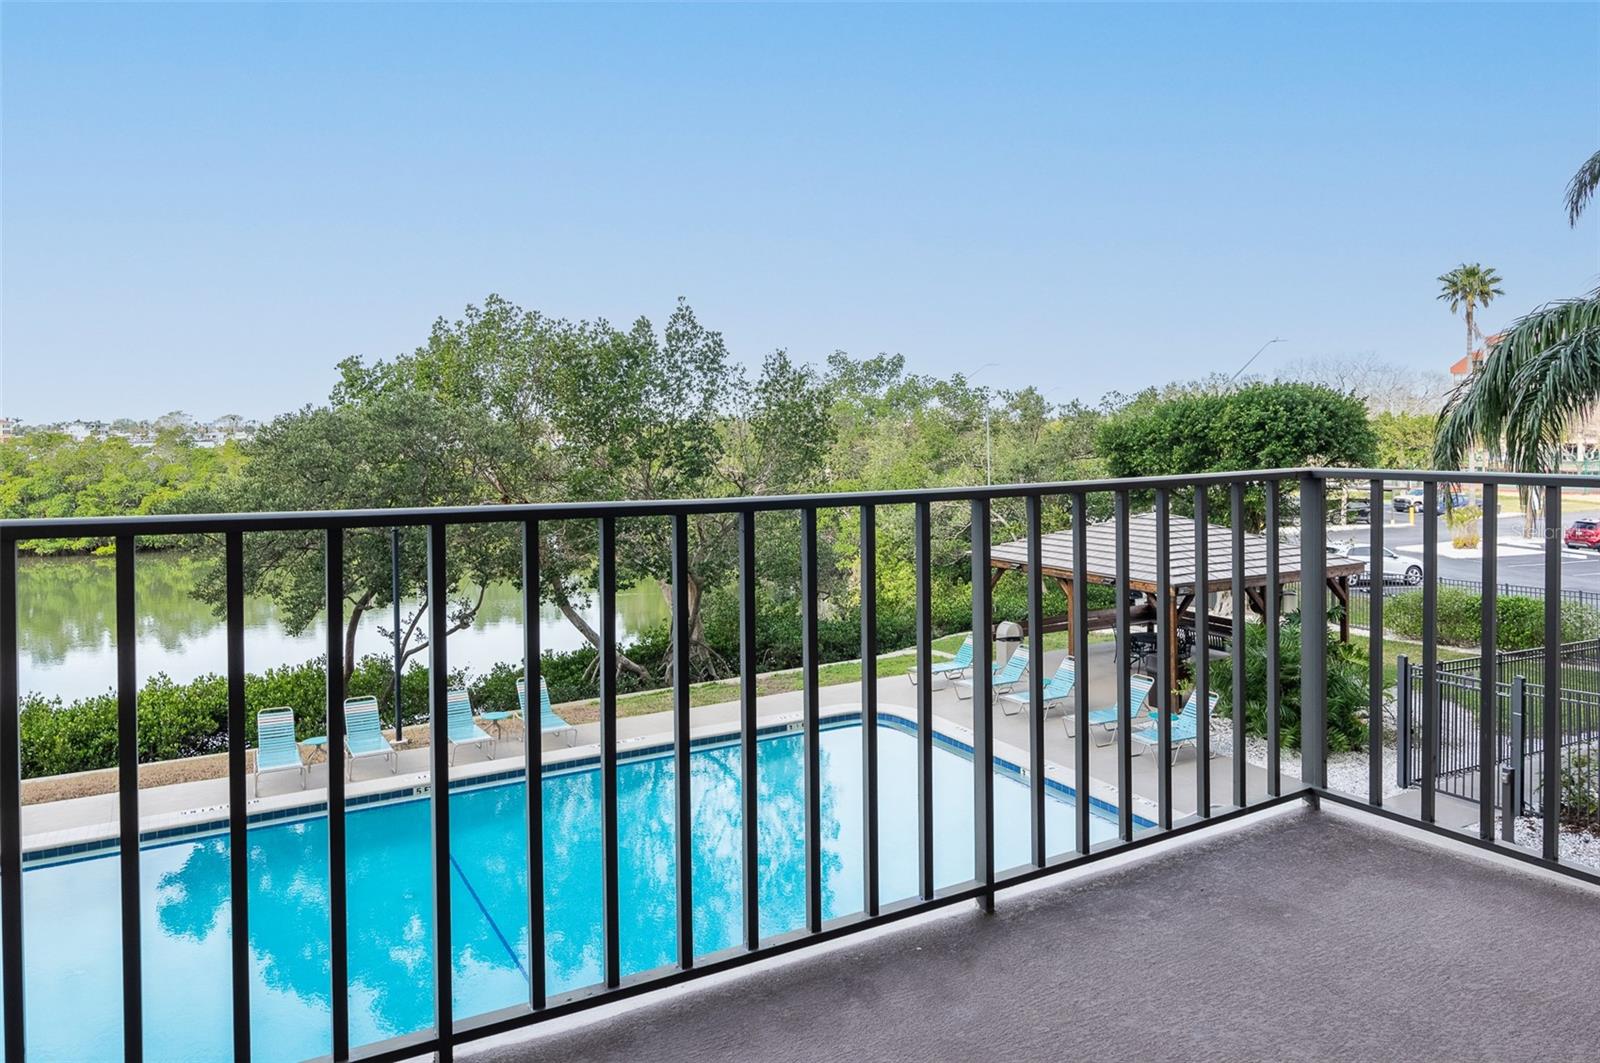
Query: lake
x,y
66,608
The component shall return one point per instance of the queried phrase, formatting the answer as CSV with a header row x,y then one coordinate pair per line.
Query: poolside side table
x,y
498,719
317,742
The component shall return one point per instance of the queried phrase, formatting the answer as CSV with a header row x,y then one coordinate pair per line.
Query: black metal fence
x,y
1214,566
1518,723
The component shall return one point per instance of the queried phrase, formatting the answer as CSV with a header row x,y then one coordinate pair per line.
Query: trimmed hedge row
x,y
1519,620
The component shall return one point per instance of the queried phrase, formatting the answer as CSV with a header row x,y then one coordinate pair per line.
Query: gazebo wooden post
x,y
1170,696
1340,585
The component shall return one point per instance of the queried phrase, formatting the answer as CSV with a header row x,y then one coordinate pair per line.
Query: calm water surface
x,y
67,610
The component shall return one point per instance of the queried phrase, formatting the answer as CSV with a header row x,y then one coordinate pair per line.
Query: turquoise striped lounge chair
x,y
1185,728
549,722
956,667
1104,721
1056,689
460,726
276,748
363,736
1006,676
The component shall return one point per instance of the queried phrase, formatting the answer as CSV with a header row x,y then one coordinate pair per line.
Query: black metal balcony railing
x,y
447,1030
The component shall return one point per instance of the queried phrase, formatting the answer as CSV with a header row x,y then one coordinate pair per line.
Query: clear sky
x,y
204,207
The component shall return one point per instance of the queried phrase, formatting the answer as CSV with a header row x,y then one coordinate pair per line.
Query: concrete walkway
x,y
87,819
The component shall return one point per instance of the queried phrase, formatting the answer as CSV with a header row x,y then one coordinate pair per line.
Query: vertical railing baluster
x,y
439,799
869,709
1273,622
1237,649
609,894
1166,678
923,554
1375,656
681,779
128,804
1552,673
1036,681
1488,667
983,708
812,722
11,973
1313,630
1202,654
1080,654
749,793
1430,648
1124,675
533,761
338,884
238,802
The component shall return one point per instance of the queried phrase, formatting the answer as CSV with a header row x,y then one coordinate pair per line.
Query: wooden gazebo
x,y
1100,566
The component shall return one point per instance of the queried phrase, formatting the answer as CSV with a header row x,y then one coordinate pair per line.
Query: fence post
x,y
1508,799
1402,721
1519,741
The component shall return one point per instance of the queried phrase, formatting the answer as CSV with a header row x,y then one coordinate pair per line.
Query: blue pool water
x,y
72,947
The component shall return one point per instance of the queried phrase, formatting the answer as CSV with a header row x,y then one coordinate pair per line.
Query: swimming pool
x,y
73,955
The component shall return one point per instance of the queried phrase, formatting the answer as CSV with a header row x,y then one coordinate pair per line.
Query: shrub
x,y
1465,530
1580,802
1519,620
1347,687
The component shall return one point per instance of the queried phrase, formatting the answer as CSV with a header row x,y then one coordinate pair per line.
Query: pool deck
x,y
85,820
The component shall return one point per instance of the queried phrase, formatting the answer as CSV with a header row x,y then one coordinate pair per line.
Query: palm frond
x,y
1581,188
1541,375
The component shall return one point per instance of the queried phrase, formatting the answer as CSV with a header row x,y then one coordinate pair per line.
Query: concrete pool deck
x,y
82,820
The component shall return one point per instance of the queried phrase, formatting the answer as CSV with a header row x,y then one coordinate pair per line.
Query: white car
x,y
1396,569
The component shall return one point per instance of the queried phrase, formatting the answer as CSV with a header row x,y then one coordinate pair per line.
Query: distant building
x,y
1583,439
9,427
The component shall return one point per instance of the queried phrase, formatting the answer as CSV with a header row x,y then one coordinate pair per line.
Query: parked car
x,y
1584,534
1358,511
1396,569
1405,501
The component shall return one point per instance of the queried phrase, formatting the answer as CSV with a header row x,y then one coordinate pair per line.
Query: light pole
x,y
1253,357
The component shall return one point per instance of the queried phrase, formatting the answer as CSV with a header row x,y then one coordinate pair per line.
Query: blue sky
x,y
205,207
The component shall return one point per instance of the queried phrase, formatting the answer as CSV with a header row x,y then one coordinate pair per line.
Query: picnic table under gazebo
x,y
1100,566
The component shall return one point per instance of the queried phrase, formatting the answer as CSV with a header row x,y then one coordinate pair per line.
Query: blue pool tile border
x,y
214,825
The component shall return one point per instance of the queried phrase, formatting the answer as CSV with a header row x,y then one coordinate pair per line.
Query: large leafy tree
x,y
1540,376
551,410
1277,425
394,450
1468,288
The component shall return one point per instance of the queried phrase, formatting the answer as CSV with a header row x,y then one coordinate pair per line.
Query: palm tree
x,y
1470,287
1540,375
1582,187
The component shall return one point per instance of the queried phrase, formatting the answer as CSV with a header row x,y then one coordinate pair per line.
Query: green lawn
x,y
720,691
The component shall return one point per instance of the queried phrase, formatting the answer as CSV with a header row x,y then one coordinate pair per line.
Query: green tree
x,y
549,410
1404,440
1278,425
1466,288
393,450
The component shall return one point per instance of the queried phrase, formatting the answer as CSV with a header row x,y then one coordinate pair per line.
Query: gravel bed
x,y
1347,772
1577,847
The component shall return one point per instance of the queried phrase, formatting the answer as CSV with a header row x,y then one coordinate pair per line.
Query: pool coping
x,y
172,827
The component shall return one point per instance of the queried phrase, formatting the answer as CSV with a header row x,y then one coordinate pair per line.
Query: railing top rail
x,y
1504,478
191,524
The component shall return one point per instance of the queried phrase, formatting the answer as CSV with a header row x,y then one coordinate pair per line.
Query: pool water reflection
x,y
73,966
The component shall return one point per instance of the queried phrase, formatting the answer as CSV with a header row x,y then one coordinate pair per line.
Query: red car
x,y
1583,533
